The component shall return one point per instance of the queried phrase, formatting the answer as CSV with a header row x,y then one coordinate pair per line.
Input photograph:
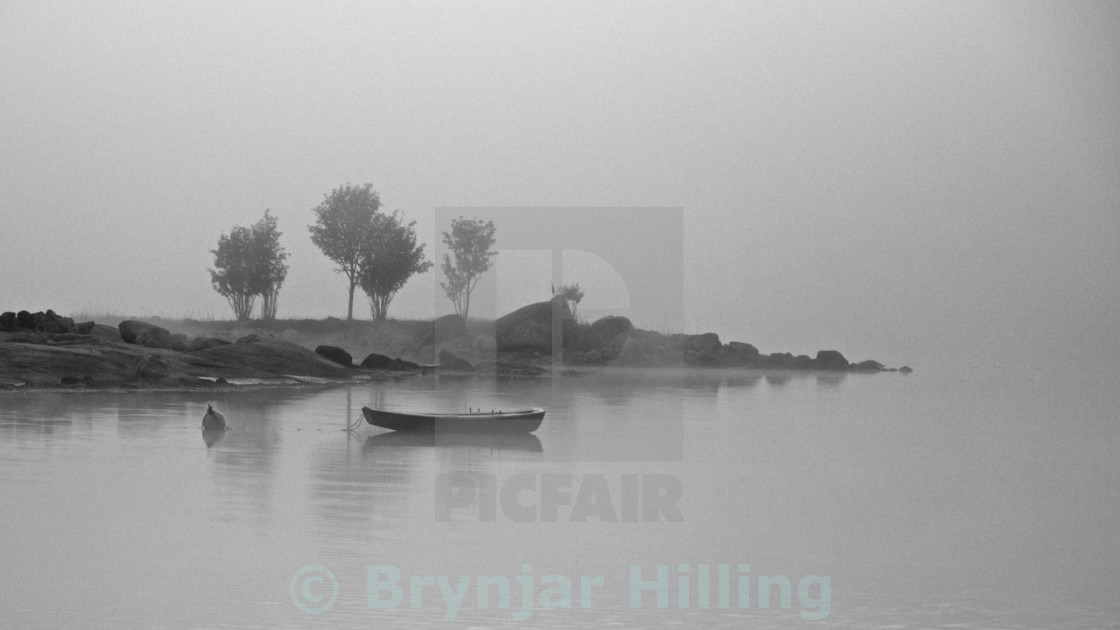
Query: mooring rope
x,y
356,423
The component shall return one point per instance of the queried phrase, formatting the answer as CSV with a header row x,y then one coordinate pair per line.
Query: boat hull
x,y
524,421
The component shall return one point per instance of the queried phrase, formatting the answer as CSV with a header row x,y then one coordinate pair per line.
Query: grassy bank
x,y
412,340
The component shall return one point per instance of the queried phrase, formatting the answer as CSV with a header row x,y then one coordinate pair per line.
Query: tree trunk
x,y
350,303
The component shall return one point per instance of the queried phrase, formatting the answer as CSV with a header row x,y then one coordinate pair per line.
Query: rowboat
x,y
524,421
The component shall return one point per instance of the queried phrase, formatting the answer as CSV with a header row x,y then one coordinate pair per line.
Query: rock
x,y
579,337
67,324
701,359
85,328
154,337
336,354
635,352
268,357
250,338
8,322
608,328
830,360
179,342
106,333
71,380
377,362
452,363
802,362
529,328
381,362
738,347
739,353
783,360
906,369
144,334
484,344
868,366
705,342
205,343
150,367
450,327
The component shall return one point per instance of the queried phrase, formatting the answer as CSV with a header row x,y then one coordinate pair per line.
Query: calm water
x,y
986,499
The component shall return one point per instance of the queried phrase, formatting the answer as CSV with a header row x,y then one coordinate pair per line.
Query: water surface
x,y
978,500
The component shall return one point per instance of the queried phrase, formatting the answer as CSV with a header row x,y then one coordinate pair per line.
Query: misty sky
x,y
906,181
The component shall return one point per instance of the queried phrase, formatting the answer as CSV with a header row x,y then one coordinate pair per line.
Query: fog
x,y
918,181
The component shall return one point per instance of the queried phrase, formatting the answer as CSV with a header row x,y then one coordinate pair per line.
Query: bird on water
x,y
213,420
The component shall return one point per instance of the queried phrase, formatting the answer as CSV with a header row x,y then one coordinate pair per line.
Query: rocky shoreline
x,y
44,350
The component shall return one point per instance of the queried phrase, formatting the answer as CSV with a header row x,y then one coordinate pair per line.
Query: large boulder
x,y
702,343
271,356
336,354
830,360
529,328
105,333
450,327
802,362
608,328
739,353
179,342
381,362
144,334
868,366
199,344
452,363
781,360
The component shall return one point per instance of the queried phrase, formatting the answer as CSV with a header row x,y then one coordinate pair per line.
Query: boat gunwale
x,y
471,415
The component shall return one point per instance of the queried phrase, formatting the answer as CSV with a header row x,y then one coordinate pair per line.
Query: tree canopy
x,y
345,230
249,262
570,293
266,246
392,259
469,243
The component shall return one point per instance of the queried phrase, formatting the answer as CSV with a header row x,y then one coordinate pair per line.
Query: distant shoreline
x,y
48,352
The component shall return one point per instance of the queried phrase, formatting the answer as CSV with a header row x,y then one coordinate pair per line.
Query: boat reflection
x,y
524,442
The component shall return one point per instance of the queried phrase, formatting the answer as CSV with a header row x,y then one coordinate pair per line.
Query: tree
x,y
393,258
570,293
248,263
345,230
470,241
270,258
232,275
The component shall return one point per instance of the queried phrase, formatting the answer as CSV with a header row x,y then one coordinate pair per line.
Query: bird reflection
x,y
212,436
